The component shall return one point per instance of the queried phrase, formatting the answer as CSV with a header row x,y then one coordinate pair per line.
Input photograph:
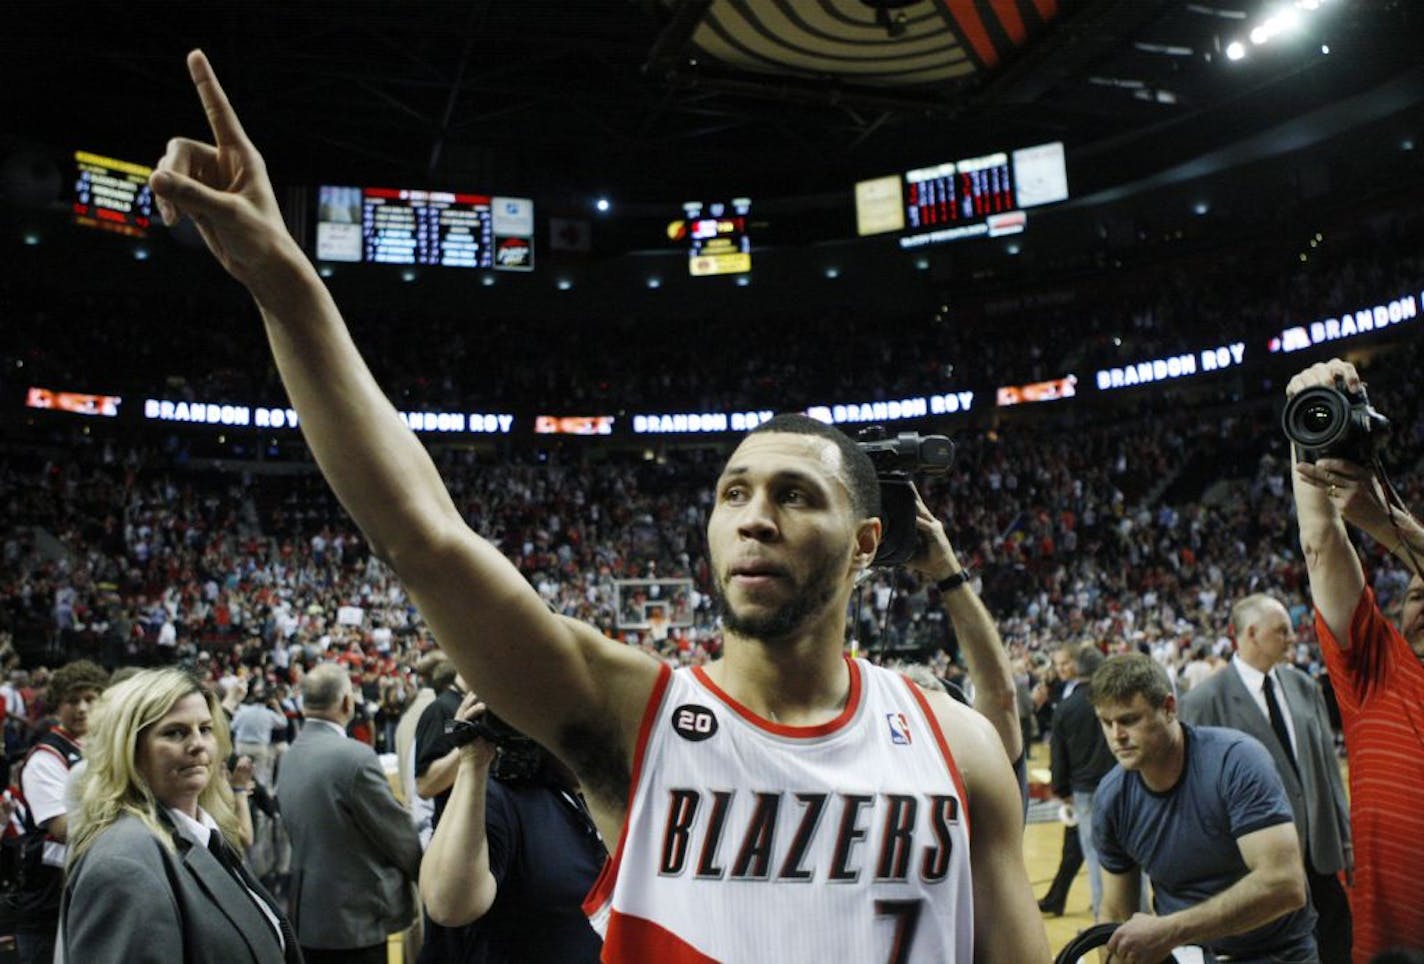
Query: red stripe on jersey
x,y
602,891
933,722
781,729
633,939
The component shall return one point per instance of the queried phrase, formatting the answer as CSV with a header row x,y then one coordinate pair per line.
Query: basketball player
x,y
785,802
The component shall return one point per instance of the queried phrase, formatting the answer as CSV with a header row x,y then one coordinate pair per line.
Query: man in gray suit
x,y
355,854
1282,707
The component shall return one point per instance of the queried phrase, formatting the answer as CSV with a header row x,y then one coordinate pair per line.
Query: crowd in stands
x,y
1135,525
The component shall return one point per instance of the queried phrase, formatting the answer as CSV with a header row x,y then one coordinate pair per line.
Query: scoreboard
x,y
977,196
380,225
967,190
716,236
112,195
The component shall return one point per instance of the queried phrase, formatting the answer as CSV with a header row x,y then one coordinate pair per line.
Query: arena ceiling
x,y
655,99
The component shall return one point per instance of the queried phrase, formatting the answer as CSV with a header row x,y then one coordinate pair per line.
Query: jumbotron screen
x,y
977,196
380,225
716,236
112,195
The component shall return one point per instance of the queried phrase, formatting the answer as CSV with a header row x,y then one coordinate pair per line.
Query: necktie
x,y
233,865
1278,721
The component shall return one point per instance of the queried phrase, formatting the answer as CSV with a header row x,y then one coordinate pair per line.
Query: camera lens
x,y
1316,418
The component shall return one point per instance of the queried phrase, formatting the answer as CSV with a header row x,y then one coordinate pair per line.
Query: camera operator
x,y
1377,670
515,854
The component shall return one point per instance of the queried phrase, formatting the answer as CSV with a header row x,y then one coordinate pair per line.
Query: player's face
x,y
1411,619
782,535
1137,732
1272,633
74,712
1064,666
175,755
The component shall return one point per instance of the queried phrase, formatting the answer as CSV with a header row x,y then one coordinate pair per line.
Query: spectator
x,y
73,690
1377,671
355,854
514,855
1202,811
154,875
1079,758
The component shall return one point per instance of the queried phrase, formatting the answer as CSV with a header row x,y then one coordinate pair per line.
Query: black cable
x,y
1392,497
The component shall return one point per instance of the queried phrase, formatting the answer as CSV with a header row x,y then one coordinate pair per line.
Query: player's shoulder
x,y
971,738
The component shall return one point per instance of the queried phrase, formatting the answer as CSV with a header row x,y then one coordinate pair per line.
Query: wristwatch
x,y
949,583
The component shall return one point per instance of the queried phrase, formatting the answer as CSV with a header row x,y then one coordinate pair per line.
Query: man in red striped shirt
x,y
1378,674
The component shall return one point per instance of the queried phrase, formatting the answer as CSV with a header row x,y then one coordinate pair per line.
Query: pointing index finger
x,y
227,129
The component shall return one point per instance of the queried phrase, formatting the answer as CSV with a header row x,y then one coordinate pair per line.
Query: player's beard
x,y
810,598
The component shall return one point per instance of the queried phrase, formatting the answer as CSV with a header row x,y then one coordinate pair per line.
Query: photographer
x,y
515,853
1377,669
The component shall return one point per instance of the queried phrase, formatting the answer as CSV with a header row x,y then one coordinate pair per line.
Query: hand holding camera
x,y
470,734
1337,434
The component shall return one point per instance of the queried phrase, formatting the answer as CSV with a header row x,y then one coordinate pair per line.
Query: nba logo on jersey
x,y
899,728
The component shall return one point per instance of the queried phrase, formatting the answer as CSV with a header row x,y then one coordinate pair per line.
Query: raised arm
x,y
1336,576
994,694
554,679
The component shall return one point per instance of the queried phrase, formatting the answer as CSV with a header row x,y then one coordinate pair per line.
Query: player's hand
x,y
479,751
1325,373
935,557
1143,939
222,186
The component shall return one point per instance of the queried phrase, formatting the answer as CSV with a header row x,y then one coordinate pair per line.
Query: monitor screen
x,y
379,225
717,238
112,195
974,197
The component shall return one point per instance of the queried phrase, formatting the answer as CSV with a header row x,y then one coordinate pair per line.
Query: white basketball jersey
x,y
749,841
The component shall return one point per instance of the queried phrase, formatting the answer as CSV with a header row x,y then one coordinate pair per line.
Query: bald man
x,y
355,853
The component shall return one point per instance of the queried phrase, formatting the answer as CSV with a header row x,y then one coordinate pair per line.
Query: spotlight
x,y
31,239
140,253
743,281
602,204
922,263
1235,50
326,271
1200,208
408,275
487,280
565,284
833,272
655,282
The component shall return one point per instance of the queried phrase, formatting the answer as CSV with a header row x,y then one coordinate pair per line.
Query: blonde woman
x,y
153,872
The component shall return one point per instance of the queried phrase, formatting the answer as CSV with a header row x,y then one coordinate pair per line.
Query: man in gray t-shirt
x,y
1203,812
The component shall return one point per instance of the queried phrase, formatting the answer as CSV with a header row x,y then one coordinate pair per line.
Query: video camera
x,y
519,759
894,460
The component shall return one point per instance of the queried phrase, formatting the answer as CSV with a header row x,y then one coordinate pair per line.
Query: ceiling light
x,y
1235,50
603,204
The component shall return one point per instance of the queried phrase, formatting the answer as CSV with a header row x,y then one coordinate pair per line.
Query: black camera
x,y
894,460
519,759
488,726
1334,423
